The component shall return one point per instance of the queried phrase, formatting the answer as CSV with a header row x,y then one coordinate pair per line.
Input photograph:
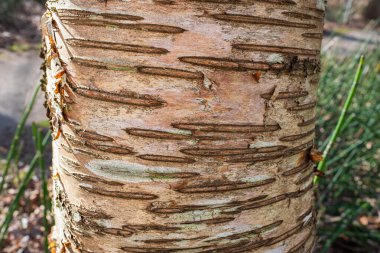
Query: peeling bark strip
x,y
183,125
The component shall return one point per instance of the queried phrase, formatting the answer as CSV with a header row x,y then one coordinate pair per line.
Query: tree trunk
x,y
183,125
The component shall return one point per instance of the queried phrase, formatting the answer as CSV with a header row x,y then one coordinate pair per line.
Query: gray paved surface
x,y
19,73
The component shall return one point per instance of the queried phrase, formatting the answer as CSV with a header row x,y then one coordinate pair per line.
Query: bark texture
x,y
183,125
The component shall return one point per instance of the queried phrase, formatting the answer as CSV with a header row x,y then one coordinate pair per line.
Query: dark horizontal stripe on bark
x,y
252,158
150,227
113,149
168,2
72,122
246,19
231,64
222,186
276,49
278,2
231,247
156,134
307,122
170,241
101,65
119,194
276,199
170,72
285,95
172,208
116,46
300,15
161,158
73,13
89,153
297,136
154,28
313,35
116,232
305,214
303,107
230,128
300,246
304,178
94,214
230,151
92,179
129,98
173,175
298,169
210,221
72,139
66,148
93,136
69,162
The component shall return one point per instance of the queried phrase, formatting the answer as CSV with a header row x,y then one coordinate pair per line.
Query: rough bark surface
x,y
183,125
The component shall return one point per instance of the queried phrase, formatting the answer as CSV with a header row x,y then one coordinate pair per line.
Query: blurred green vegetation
x,y
351,187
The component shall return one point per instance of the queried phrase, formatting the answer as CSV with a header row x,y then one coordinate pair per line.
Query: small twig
x,y
342,118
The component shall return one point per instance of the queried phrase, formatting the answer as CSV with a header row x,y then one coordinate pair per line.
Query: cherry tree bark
x,y
183,125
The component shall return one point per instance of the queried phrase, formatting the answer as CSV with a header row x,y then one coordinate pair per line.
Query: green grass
x,y
351,185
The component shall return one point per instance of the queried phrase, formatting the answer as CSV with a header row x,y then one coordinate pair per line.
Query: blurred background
x,y
349,199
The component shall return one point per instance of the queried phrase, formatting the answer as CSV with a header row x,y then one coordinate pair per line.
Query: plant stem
x,y
45,192
16,138
15,203
342,118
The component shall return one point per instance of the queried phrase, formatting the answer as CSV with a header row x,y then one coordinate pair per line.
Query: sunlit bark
x,y
183,125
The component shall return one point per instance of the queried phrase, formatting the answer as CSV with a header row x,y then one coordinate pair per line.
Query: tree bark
x,y
183,125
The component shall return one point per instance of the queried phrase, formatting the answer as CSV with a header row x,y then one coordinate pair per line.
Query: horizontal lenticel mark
x,y
162,158
170,72
156,134
128,99
285,95
228,128
116,46
75,13
154,28
297,136
119,194
261,21
276,49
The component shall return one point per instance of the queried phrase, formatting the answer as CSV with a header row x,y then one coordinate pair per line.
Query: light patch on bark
x,y
275,58
277,250
255,179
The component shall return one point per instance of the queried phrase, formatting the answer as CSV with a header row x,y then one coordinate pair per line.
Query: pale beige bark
x,y
183,125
